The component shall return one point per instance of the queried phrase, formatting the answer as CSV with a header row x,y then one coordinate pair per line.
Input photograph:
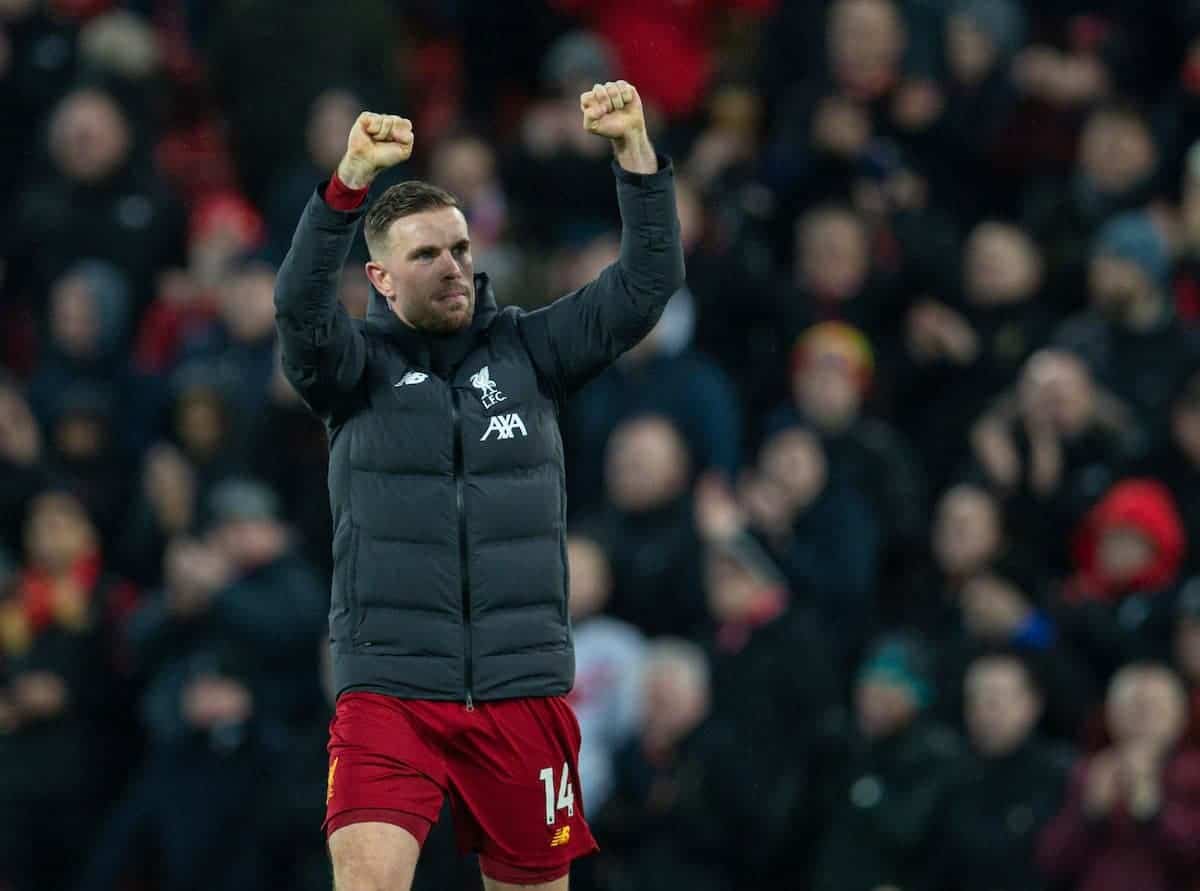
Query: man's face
x,y
426,274
883,707
58,531
1001,265
1001,709
1116,152
966,532
1116,285
1147,705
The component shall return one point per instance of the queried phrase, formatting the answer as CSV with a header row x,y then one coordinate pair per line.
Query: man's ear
x,y
380,279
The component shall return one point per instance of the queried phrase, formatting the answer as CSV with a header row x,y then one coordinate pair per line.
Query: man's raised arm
x,y
580,334
323,353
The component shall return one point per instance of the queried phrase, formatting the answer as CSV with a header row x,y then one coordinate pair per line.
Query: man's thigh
x,y
515,792
372,855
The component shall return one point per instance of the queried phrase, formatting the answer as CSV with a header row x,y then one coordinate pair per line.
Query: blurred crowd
x,y
884,544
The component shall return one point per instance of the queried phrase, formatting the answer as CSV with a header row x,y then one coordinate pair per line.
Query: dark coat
x,y
446,475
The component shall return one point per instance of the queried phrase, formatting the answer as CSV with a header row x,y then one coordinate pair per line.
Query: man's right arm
x,y
323,353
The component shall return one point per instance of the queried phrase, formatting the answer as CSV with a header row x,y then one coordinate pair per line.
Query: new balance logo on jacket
x,y
506,426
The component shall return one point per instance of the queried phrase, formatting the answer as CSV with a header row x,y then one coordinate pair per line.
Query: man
x,y
1007,788
452,650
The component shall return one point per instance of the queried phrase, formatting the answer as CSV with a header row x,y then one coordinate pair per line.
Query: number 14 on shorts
x,y
566,793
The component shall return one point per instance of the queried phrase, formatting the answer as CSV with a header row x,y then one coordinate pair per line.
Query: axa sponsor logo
x,y
504,426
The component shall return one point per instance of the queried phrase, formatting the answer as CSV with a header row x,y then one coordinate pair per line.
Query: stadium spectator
x,y
1005,790
1127,553
965,349
818,528
1052,448
648,528
681,790
1130,336
888,778
226,655
832,371
1115,173
99,200
1130,819
61,696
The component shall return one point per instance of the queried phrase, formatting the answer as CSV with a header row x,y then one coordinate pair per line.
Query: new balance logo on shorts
x,y
560,837
506,426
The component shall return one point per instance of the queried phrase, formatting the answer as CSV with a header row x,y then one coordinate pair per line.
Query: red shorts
x,y
509,768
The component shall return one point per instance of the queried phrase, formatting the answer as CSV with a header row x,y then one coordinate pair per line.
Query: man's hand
x,y
614,110
376,142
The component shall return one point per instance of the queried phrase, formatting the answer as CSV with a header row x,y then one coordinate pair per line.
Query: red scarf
x,y
36,589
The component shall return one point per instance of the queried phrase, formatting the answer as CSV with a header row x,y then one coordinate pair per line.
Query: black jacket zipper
x,y
463,557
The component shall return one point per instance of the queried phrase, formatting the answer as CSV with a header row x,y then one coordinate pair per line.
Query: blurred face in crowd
x,y
647,465
970,53
1001,705
74,317
200,422
1057,386
248,303
884,707
676,690
81,435
332,117
590,577
1116,151
1146,705
827,389
966,531
89,136
1124,553
834,254
866,40
1001,265
465,166
425,271
1117,286
57,531
794,462
20,437
249,543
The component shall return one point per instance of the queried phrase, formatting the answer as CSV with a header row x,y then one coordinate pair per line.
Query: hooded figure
x,y
1133,540
1119,605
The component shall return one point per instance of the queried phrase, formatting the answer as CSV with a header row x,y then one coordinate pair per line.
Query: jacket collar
x,y
439,353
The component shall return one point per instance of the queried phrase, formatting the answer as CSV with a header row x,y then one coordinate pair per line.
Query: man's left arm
x,y
580,334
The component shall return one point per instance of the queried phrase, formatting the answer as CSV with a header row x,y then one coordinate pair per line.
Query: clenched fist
x,y
376,142
613,109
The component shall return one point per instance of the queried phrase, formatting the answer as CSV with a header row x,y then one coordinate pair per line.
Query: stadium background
x,y
882,542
